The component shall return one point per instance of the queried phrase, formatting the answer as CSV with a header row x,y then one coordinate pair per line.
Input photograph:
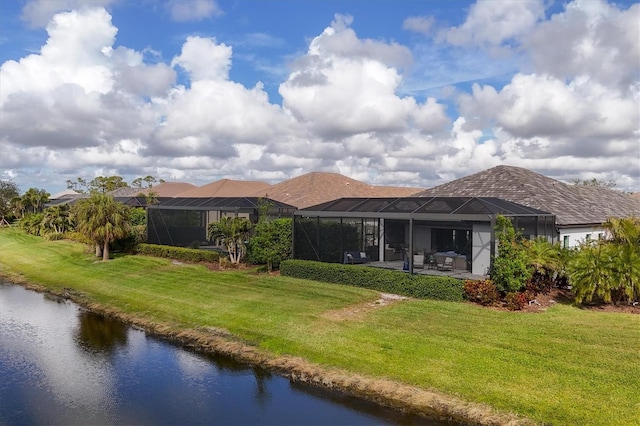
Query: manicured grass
x,y
564,366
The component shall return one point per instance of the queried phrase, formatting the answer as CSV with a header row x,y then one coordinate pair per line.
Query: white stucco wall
x,y
481,249
575,236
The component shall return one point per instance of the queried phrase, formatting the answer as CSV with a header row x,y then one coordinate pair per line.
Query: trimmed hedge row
x,y
178,253
419,286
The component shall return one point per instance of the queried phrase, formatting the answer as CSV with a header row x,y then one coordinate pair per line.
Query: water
x,y
60,364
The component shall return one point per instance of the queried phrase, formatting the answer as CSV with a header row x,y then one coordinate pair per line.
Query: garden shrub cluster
x,y
515,301
483,292
178,253
419,286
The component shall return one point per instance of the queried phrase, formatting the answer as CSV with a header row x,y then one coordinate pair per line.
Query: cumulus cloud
x,y
38,13
204,59
589,38
192,10
572,108
491,23
345,85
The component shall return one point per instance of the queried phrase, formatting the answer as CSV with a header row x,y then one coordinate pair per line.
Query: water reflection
x,y
99,334
62,365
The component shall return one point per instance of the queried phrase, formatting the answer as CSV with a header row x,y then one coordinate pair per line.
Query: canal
x,y
60,364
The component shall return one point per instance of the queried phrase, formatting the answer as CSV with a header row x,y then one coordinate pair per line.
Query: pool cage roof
x,y
421,208
218,203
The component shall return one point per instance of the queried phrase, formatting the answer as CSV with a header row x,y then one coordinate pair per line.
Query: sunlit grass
x,y
563,366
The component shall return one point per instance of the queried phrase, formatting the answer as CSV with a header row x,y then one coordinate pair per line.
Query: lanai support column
x,y
410,254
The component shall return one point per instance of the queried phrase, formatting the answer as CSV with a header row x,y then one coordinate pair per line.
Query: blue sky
x,y
409,93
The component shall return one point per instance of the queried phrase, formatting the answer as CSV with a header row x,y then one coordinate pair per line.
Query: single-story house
x,y
579,210
390,229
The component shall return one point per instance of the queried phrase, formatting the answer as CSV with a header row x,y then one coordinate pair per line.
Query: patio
x,y
397,265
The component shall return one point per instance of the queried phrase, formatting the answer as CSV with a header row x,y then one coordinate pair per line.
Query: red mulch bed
x,y
564,297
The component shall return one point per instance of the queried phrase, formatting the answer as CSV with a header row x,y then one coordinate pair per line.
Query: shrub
x,y
271,242
483,292
419,286
178,253
516,301
77,237
510,268
54,236
539,283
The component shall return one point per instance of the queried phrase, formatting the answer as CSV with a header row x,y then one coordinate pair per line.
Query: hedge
x,y
396,282
178,253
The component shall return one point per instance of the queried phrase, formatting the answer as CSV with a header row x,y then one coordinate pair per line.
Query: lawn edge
x,y
410,399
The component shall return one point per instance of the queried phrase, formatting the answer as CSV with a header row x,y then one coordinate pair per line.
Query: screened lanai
x,y
396,229
183,221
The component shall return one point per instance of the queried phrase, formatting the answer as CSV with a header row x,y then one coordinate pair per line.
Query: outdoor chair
x,y
446,265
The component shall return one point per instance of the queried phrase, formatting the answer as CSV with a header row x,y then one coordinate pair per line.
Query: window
x,y
588,237
565,241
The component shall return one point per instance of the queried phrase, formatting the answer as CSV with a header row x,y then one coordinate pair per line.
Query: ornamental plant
x,y
511,267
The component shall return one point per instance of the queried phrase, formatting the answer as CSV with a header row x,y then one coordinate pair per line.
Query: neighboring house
x,y
318,187
579,210
182,221
225,188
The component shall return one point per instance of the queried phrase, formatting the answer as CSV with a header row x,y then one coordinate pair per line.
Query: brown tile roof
x,y
572,204
318,187
170,189
226,188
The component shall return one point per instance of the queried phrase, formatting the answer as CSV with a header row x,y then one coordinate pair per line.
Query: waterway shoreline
x,y
388,393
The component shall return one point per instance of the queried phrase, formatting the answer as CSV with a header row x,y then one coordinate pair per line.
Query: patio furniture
x,y
354,257
430,261
446,264
418,260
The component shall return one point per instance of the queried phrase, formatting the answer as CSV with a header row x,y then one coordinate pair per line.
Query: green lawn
x,y
566,366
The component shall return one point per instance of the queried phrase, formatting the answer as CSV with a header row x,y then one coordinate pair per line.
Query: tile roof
x,y
572,204
170,189
226,188
318,187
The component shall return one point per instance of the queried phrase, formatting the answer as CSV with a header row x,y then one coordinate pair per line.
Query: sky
x,y
410,93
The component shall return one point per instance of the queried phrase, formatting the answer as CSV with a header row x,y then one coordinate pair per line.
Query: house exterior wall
x,y
572,237
481,248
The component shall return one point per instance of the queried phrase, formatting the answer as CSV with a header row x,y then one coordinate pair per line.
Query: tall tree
x,y
231,232
145,182
103,220
79,185
8,191
594,182
104,184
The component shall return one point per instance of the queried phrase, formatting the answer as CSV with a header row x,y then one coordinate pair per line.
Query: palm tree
x,y
18,207
57,219
35,199
231,232
103,220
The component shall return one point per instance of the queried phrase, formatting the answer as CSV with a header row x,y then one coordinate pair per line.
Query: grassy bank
x,y
564,366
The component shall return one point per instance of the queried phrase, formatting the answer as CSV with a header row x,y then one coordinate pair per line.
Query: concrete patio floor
x,y
397,265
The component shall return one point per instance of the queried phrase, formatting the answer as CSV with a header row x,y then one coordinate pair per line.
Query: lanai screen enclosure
x,y
183,221
388,229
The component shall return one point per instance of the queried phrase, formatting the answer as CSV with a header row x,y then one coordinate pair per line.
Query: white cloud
x,y
491,23
192,10
204,59
345,85
589,38
38,13
419,24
